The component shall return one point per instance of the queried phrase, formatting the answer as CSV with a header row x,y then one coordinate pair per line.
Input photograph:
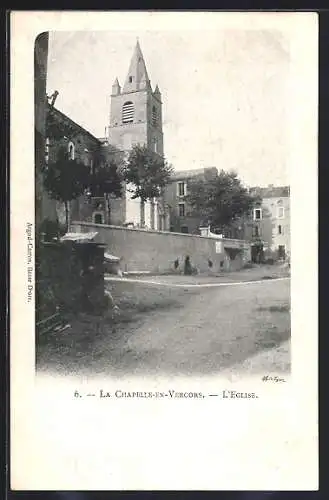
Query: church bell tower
x,y
136,119
136,111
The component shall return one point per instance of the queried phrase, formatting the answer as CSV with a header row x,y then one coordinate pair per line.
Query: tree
x,y
105,180
147,173
65,180
222,202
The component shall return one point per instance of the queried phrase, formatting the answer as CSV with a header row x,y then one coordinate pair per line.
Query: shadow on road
x,y
172,331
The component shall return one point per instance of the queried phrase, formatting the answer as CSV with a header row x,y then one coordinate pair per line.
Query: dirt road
x,y
176,331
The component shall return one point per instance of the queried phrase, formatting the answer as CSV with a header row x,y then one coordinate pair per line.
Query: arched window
x,y
71,150
154,116
128,112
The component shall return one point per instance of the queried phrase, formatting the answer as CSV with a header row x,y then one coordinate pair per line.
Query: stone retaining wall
x,y
156,252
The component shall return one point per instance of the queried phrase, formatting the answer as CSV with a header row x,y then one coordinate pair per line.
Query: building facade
x,y
269,222
81,145
182,219
136,119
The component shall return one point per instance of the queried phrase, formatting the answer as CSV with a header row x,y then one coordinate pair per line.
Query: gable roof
x,y
271,191
190,174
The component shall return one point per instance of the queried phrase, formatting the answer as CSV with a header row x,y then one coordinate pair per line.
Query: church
x,y
135,118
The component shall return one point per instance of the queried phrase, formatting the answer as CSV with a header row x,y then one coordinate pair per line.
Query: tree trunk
x,y
167,221
108,204
142,213
67,215
152,214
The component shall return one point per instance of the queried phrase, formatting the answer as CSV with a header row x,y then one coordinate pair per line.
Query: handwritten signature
x,y
268,378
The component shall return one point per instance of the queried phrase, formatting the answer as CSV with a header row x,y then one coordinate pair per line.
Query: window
x,y
130,79
154,116
257,213
184,229
128,112
279,229
181,188
256,231
181,209
71,150
47,150
281,252
280,212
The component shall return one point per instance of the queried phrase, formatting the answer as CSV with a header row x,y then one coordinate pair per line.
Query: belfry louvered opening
x,y
128,112
154,116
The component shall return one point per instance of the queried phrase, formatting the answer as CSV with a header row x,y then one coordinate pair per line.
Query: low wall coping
x,y
122,228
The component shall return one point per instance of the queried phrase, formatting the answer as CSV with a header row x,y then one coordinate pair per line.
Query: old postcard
x,y
164,251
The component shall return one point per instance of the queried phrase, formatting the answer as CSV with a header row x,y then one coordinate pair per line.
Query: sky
x,y
225,93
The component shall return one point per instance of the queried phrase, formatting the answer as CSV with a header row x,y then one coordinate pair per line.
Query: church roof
x,y
137,77
58,117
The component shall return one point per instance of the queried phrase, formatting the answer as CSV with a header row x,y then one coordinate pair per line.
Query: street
x,y
179,330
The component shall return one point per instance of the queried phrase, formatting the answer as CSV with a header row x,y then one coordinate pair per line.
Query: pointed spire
x,y
137,77
157,93
116,89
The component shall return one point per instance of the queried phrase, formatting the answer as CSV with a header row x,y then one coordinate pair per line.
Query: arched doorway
x,y
98,218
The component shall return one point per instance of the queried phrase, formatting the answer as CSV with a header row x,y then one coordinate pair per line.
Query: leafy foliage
x,y
221,201
147,172
65,179
106,179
